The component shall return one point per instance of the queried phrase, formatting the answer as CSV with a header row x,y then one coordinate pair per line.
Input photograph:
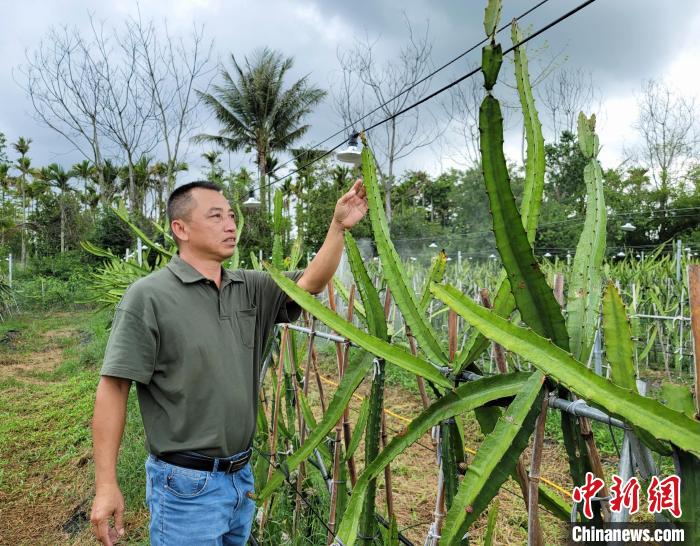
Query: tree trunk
x,y
262,179
389,180
63,223
99,167
132,185
23,254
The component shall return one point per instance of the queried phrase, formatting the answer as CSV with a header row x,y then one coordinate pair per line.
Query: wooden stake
x,y
275,419
498,352
559,288
534,530
694,294
387,475
421,383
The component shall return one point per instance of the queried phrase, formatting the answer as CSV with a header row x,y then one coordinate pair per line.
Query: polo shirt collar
x,y
188,274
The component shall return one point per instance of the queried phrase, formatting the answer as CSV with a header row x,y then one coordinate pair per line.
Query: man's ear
x,y
179,229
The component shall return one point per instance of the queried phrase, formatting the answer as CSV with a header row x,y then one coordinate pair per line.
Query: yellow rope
x,y
466,448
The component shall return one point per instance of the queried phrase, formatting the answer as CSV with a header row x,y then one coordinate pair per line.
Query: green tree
x,y
23,165
564,200
57,177
256,112
58,218
216,172
90,196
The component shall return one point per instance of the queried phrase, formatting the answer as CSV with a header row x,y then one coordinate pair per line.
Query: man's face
x,y
210,230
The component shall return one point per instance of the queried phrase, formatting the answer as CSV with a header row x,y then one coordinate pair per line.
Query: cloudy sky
x,y
620,43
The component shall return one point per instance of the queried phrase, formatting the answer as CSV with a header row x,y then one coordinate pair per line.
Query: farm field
x,y
494,275
48,373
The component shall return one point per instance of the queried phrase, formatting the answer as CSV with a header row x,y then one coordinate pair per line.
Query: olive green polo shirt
x,y
194,351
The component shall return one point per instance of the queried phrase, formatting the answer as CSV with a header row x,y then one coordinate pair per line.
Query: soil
x,y
27,365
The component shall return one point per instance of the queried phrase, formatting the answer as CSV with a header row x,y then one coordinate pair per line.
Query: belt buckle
x,y
230,466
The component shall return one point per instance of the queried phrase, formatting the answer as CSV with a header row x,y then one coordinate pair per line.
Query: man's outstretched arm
x,y
349,210
107,428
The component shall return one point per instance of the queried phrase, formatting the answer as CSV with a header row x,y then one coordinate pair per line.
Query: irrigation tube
x,y
581,409
661,317
578,407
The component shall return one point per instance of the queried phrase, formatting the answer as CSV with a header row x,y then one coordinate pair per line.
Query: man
x,y
191,336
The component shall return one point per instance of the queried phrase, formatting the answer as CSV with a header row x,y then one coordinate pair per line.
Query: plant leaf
x,y
374,312
645,413
533,296
391,353
495,460
393,268
352,378
359,428
464,398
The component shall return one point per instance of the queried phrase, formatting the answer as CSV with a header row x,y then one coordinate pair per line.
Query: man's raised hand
x,y
352,206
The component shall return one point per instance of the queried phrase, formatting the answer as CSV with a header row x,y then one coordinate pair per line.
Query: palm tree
x,y
58,178
24,167
254,110
5,179
108,174
90,197
305,160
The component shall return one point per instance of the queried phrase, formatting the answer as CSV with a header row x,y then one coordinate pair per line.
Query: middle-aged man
x,y
191,336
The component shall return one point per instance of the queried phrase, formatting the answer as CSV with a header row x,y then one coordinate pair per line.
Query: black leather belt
x,y
201,462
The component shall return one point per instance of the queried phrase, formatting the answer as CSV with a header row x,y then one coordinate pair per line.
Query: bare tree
x,y
171,68
368,81
126,106
462,112
64,83
563,95
669,133
118,94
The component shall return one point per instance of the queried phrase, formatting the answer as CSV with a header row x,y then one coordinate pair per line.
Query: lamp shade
x,y
252,202
352,154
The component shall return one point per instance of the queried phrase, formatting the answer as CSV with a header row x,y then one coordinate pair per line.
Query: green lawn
x,y
48,373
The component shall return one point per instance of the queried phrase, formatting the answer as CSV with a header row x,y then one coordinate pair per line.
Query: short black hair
x,y
180,201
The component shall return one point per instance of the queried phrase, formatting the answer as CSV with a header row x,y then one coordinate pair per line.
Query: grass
x,y
48,378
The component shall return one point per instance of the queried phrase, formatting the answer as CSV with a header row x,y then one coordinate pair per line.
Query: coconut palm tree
x,y
256,112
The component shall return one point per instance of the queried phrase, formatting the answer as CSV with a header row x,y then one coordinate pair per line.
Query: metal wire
x,y
411,87
434,93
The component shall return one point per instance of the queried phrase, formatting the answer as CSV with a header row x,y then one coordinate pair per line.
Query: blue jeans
x,y
195,507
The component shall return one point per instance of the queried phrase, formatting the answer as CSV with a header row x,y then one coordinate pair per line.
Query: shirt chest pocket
x,y
244,326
